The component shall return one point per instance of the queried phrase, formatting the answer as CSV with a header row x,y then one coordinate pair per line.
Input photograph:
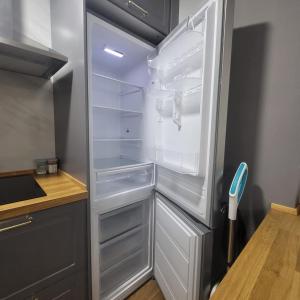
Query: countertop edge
x,y
61,189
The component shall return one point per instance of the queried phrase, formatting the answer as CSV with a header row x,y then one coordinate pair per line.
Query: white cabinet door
x,y
178,252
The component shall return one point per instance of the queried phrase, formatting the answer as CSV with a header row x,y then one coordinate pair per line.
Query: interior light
x,y
113,52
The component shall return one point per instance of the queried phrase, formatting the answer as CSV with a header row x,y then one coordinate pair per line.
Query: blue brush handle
x,y
236,190
239,181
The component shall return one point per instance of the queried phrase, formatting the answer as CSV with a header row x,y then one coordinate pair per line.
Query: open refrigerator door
x,y
187,86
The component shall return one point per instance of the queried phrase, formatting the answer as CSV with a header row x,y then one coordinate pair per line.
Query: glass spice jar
x,y
52,165
41,166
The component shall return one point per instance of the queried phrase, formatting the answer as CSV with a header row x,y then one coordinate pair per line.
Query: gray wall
x,y
264,103
69,86
26,103
188,7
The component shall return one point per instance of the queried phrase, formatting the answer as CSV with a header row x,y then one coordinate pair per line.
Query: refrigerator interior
x,y
121,176
117,104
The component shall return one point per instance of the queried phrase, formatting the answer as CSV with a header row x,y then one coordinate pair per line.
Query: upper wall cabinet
x,y
151,20
155,13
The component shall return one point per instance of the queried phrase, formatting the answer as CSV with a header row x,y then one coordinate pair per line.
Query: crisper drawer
x,y
113,182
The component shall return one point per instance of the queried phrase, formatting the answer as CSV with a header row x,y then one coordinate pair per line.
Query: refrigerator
x,y
157,124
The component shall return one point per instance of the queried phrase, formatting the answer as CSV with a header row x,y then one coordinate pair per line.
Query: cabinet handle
x,y
142,10
27,222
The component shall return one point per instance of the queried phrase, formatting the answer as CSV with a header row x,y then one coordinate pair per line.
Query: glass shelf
x,y
123,87
117,140
116,109
114,94
113,163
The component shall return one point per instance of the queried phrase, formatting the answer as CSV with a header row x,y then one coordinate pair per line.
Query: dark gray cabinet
x,y
69,288
155,13
38,251
151,20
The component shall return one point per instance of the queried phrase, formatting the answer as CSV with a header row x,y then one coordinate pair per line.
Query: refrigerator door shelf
x,y
190,42
185,190
183,85
190,102
183,163
185,65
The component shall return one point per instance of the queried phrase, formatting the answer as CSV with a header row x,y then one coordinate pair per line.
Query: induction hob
x,y
19,188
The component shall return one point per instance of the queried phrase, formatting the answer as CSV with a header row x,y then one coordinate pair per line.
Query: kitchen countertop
x,y
269,265
60,189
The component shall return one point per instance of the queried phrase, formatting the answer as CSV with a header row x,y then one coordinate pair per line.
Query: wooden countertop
x,y
60,189
269,265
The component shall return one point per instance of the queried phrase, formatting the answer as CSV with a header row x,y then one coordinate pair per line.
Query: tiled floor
x,y
149,291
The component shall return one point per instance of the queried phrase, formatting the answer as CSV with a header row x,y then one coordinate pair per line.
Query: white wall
x,y
28,17
26,102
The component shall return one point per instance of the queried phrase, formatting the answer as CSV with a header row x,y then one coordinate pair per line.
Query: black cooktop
x,y
19,188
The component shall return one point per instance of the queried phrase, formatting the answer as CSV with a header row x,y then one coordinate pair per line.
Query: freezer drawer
x,y
182,260
113,278
124,248
121,247
122,220
109,183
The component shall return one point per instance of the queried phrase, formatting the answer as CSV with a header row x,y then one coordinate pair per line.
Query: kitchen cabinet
x,y
155,13
69,288
151,20
41,249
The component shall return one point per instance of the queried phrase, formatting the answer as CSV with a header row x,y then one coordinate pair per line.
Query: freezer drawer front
x,y
178,254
